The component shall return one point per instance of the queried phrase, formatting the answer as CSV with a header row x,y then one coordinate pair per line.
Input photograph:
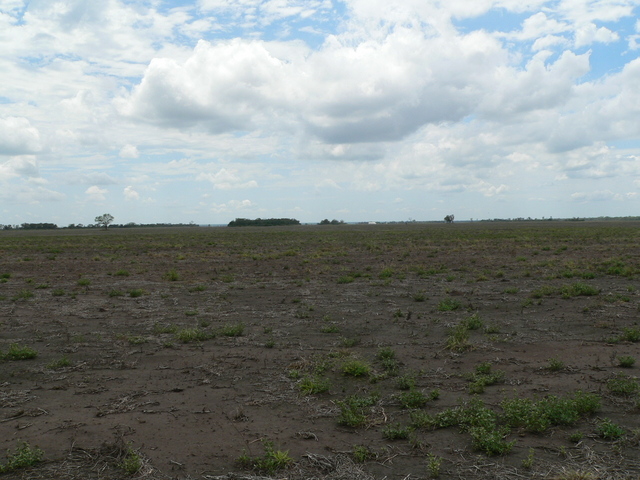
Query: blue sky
x,y
361,110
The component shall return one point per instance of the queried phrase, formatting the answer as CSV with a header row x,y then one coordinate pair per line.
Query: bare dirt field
x,y
461,351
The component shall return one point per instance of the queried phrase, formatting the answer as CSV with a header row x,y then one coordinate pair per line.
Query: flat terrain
x,y
478,350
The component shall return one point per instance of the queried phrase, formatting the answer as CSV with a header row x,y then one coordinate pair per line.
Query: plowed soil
x,y
190,348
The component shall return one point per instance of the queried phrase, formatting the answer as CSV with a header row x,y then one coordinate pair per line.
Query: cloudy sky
x,y
361,110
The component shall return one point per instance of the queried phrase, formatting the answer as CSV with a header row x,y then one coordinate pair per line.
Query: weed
x,y
191,313
198,288
313,385
349,342
122,273
57,292
386,353
631,334
159,329
23,295
270,343
355,409
60,363
396,432
434,463
623,385
132,461
419,297
473,322
330,329
555,365
135,339
576,437
356,368
361,453
406,382
386,273
511,290
449,304
608,430
232,330
527,463
19,352
346,279
136,292
483,377
458,339
578,289
24,456
412,399
83,282
543,291
626,361
188,335
172,275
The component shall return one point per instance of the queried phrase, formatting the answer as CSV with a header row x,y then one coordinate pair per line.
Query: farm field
x,y
364,352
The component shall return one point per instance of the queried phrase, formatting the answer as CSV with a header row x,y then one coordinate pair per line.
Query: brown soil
x,y
307,299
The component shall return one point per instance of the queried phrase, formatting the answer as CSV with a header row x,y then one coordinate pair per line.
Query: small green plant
x,y
236,330
269,463
631,335
527,463
419,297
313,385
434,463
19,352
349,342
355,409
122,273
57,292
356,368
83,282
578,289
188,335
458,339
483,377
132,461
576,437
406,381
555,365
396,432
623,385
172,275
386,273
473,322
163,328
24,456
608,430
361,453
385,353
412,399
330,329
23,294
191,313
136,292
626,361
449,304
60,363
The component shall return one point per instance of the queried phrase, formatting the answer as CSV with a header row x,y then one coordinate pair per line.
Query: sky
x,y
175,111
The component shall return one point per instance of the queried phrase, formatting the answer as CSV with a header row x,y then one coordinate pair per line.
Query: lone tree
x,y
449,218
104,220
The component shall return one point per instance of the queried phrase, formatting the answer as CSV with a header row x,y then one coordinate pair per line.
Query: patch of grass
x,y
355,409
19,352
24,456
631,334
473,322
172,275
449,304
543,291
386,353
272,461
189,335
330,329
434,463
626,361
356,368
483,377
396,432
313,385
349,342
386,273
57,292
191,313
555,365
198,288
623,385
406,381
23,294
132,461
458,339
511,290
83,282
608,430
60,363
578,289
136,292
122,273
235,330
361,454
412,399
419,297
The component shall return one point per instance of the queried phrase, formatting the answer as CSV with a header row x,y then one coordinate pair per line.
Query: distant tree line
x,y
263,222
53,226
326,221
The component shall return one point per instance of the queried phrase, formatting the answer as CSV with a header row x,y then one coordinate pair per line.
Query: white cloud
x,y
129,151
232,206
19,166
18,137
130,194
96,194
589,33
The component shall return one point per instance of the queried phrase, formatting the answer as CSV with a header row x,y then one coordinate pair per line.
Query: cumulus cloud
x,y
96,194
232,206
129,151
19,166
18,137
589,33
130,194
225,179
